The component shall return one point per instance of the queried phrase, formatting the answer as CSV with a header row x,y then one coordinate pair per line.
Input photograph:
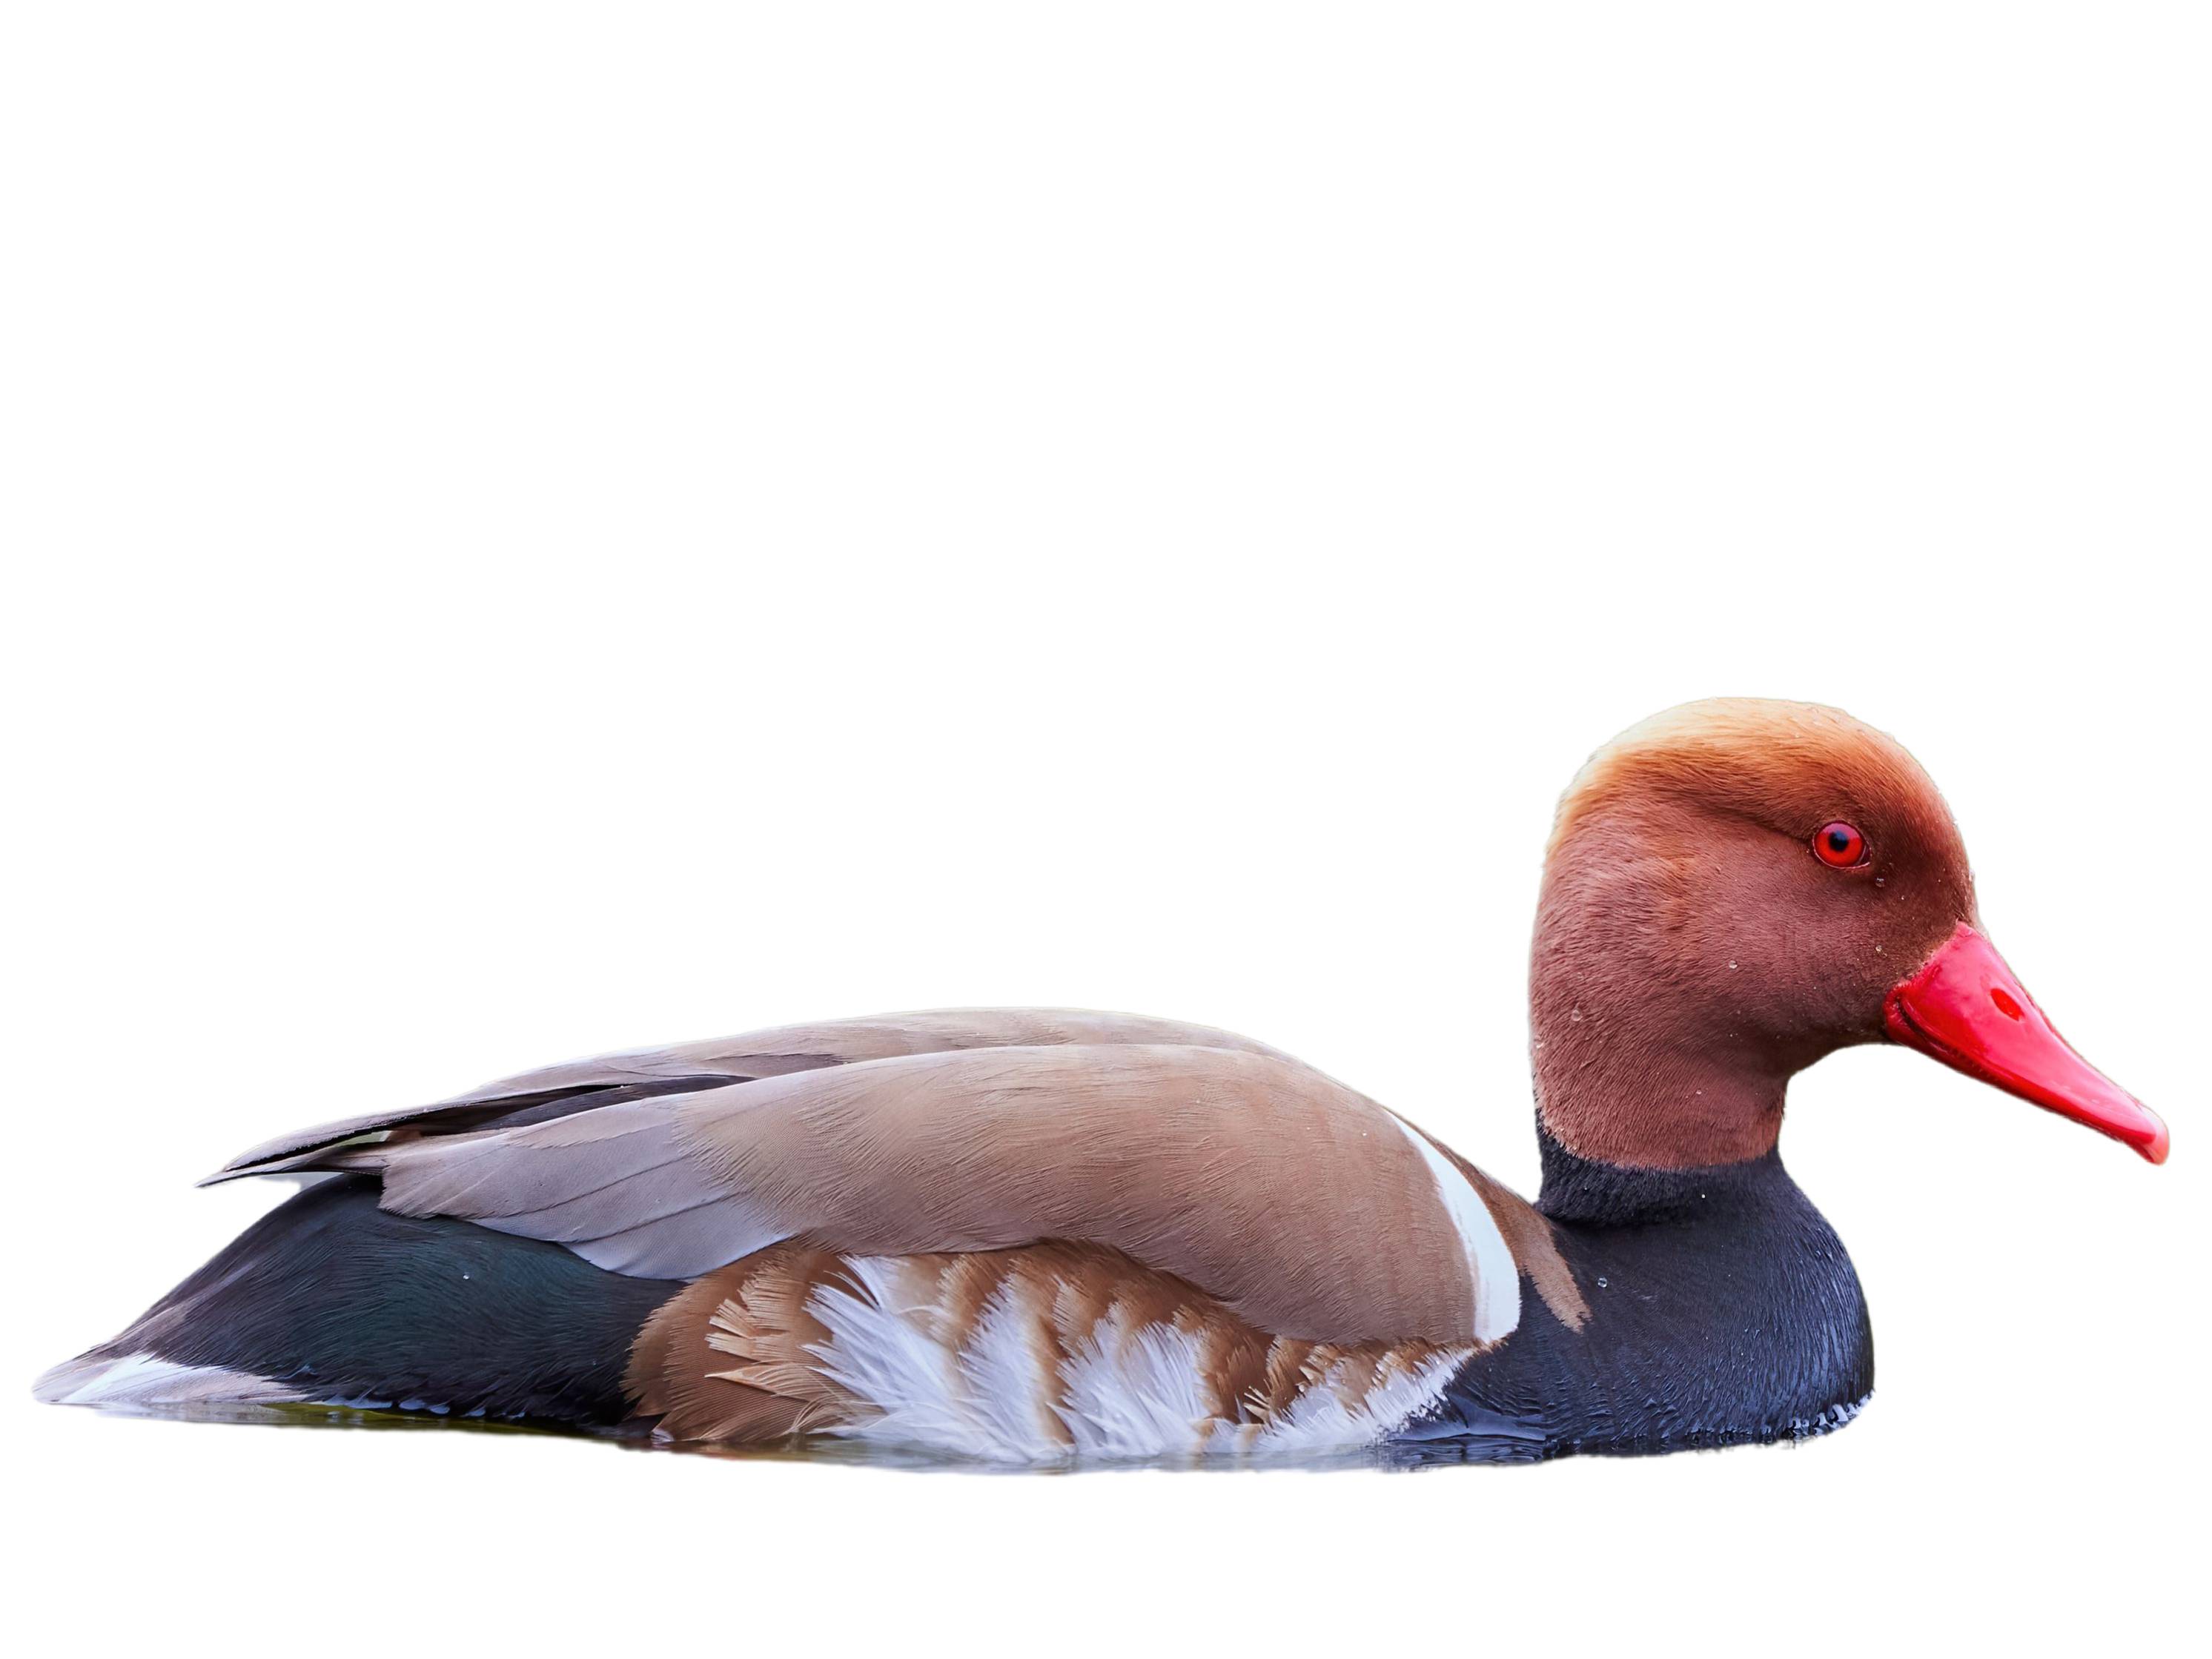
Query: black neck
x,y
1581,1192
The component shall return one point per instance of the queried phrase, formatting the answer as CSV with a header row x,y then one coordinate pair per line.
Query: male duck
x,y
1037,1236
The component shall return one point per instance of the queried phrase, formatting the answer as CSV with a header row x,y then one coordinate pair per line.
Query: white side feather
x,y
1490,1261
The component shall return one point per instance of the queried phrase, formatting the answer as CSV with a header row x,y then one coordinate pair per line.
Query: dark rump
x,y
332,1296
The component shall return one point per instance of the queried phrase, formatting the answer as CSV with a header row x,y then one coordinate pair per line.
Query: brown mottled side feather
x,y
741,1357
730,1359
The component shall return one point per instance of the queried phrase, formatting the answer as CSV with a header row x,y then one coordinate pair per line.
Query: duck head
x,y
1737,887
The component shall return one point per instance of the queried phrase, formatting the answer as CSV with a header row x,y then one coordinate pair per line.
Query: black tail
x,y
328,1299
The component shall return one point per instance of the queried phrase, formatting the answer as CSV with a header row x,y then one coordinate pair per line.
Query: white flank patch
x,y
1319,1422
1006,1385
1135,1391
140,1379
880,1352
1124,1392
1497,1276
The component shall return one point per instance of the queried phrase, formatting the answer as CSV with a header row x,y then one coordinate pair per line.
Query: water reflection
x,y
807,1450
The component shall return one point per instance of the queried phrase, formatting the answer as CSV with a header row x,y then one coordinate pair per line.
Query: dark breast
x,y
1723,1310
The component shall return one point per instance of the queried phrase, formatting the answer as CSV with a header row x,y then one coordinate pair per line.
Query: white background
x,y
539,530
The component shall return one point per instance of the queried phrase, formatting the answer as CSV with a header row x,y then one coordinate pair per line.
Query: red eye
x,y
1840,845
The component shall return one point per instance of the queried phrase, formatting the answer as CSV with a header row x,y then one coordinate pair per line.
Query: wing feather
x,y
605,1080
1305,1208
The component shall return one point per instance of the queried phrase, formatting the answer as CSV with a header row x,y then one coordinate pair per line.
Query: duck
x,y
1043,1238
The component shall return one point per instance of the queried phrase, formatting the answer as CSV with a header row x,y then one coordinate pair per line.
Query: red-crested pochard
x,y
1039,1237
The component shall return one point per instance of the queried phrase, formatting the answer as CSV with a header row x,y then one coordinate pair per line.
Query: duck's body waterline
x,y
1048,1237
1720,1310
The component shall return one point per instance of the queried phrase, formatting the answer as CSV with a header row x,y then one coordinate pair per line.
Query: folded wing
x,y
603,1080
1306,1208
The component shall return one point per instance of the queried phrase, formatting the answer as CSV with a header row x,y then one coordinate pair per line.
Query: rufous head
x,y
1735,888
